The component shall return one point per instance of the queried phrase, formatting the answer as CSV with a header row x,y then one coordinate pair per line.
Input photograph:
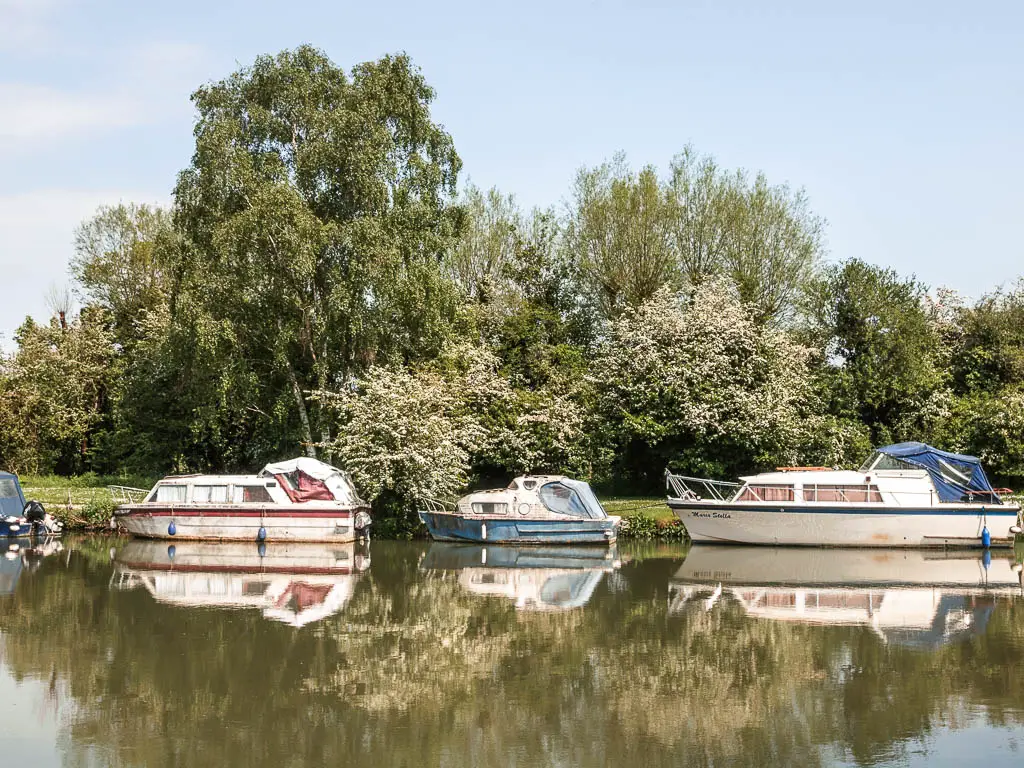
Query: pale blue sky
x,y
903,121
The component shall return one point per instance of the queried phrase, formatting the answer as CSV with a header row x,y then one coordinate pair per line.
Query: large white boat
x,y
905,495
298,500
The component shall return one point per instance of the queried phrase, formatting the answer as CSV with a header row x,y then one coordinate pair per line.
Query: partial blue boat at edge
x,y
533,509
12,504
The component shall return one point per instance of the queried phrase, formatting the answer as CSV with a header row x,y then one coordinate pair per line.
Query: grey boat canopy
x,y
561,495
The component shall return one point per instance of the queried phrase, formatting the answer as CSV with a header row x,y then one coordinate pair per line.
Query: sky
x,y
901,120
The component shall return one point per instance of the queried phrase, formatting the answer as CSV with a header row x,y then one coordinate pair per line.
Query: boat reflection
x,y
20,555
296,584
534,578
912,598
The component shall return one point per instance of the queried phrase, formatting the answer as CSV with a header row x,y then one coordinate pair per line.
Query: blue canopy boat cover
x,y
957,477
12,502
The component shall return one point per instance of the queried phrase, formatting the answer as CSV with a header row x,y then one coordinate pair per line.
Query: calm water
x,y
411,654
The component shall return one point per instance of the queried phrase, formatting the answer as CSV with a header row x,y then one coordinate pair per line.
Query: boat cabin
x,y
536,496
290,482
906,474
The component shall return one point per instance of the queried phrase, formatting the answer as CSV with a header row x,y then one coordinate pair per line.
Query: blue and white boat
x,y
13,523
533,509
904,495
19,518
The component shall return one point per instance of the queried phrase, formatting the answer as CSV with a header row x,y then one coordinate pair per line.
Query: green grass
x,y
81,490
88,480
627,506
59,497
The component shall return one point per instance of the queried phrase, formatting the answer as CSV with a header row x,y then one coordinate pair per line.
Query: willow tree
x,y
618,231
493,232
634,234
313,219
117,264
763,237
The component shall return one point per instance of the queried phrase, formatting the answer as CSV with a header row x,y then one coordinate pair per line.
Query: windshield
x,y
571,497
882,461
9,489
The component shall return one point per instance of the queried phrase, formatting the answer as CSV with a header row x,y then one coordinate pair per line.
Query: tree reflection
x,y
417,670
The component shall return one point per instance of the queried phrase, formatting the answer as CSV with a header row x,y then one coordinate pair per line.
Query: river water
x,y
118,653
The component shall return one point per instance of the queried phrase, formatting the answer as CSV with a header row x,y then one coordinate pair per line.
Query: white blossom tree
x,y
697,383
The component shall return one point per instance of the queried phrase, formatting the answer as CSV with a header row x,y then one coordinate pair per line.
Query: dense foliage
x,y
321,286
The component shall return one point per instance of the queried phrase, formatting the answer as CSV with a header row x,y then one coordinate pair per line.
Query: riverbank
x,y
84,504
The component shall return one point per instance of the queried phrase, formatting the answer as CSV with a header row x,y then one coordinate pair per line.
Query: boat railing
x,y
698,488
427,504
125,494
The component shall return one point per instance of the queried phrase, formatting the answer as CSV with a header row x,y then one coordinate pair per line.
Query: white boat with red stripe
x,y
298,500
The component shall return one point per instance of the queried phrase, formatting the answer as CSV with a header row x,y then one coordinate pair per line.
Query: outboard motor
x,y
34,512
40,521
362,523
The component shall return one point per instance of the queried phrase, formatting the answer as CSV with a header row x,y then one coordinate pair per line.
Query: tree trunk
x,y
300,402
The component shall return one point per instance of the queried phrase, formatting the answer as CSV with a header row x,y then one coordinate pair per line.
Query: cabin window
x,y
8,489
252,494
489,508
849,494
209,494
956,472
766,493
171,493
563,500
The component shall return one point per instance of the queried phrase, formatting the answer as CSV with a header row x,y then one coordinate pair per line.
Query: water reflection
x,y
419,669
296,584
533,578
18,555
920,599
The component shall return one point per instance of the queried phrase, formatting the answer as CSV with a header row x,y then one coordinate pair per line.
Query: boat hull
x,y
17,530
306,525
450,527
846,526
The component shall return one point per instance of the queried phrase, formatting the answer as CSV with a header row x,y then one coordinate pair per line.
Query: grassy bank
x,y
645,518
85,503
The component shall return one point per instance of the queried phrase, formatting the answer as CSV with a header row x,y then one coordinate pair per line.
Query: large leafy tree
x,y
879,348
118,266
314,216
54,392
988,350
479,261
634,233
